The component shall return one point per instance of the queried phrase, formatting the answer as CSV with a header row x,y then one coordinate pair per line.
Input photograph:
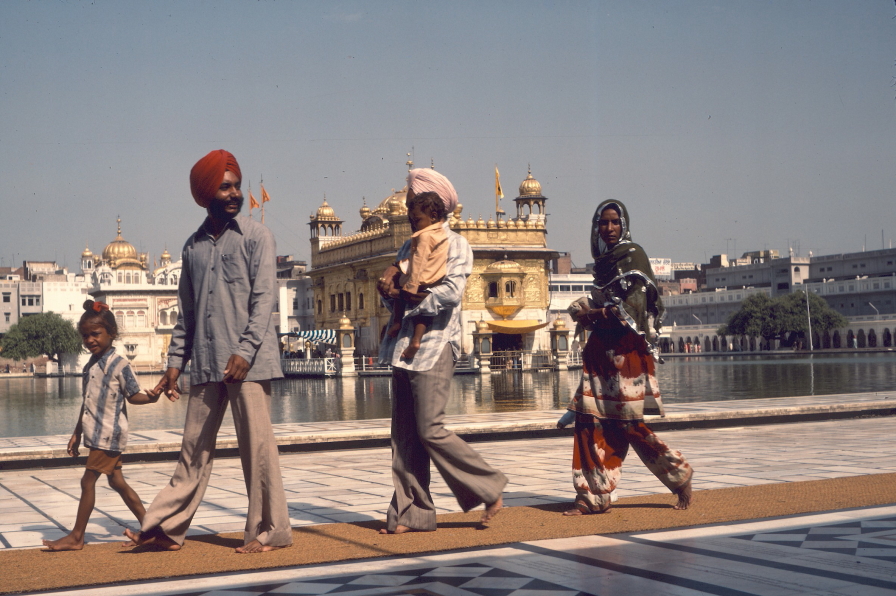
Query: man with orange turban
x,y
225,329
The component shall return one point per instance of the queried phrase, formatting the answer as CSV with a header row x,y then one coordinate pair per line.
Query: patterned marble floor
x,y
356,484
814,555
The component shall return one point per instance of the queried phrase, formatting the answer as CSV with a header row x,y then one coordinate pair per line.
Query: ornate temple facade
x,y
143,299
508,288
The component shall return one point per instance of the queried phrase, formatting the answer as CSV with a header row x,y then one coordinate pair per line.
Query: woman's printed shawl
x,y
624,278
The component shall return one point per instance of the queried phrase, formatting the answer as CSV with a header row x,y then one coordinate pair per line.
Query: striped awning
x,y
328,336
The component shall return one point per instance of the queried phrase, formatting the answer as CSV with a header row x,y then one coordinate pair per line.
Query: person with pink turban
x,y
421,384
225,331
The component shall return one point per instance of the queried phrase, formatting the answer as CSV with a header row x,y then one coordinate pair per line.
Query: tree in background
x,y
753,319
42,334
790,313
783,318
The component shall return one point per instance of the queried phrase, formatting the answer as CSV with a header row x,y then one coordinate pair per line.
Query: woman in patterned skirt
x,y
624,315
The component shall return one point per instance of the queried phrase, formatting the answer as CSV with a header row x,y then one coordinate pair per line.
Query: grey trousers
x,y
419,436
173,508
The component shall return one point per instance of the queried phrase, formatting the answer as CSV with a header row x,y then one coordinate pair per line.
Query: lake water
x,y
50,406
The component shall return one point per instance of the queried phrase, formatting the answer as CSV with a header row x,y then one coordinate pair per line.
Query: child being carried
x,y
426,266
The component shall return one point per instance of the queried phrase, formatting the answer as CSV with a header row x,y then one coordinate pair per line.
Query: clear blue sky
x,y
724,126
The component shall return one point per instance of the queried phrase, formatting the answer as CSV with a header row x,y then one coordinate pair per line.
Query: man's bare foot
x,y
399,529
66,543
492,510
256,547
157,540
684,497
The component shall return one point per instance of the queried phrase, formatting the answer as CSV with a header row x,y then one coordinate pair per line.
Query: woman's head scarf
x,y
623,274
422,180
208,173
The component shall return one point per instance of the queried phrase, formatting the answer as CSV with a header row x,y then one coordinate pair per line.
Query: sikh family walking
x,y
225,331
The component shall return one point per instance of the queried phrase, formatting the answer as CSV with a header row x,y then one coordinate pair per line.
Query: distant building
x,y
860,286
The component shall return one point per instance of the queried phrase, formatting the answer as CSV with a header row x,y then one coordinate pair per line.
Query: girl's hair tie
x,y
100,307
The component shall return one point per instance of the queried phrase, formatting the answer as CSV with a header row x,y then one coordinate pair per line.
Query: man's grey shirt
x,y
226,298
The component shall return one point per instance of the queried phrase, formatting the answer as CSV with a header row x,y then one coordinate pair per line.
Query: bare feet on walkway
x,y
66,543
256,547
492,510
684,497
157,541
399,529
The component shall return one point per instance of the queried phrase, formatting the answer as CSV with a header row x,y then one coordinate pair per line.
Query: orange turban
x,y
208,173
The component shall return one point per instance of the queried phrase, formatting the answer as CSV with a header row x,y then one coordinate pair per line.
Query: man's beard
x,y
217,208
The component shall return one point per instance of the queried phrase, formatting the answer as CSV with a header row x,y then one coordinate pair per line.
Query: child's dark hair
x,y
99,314
431,203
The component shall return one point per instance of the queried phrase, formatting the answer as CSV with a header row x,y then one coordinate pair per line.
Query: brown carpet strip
x,y
97,564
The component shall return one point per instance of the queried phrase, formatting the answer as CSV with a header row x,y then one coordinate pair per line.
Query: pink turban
x,y
423,180
208,173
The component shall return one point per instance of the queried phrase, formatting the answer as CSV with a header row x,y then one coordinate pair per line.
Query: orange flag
x,y
265,197
253,204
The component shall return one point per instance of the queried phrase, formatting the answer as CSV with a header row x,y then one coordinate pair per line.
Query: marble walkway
x,y
843,552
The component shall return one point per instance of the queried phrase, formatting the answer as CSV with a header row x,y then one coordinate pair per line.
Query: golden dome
x,y
365,211
482,327
395,201
559,324
530,186
119,250
166,254
345,322
504,267
325,212
87,254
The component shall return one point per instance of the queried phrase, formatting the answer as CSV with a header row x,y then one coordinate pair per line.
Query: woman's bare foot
x,y
399,529
492,510
157,540
684,497
66,543
256,547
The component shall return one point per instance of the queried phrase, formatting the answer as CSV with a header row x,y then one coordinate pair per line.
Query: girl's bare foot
x,y
66,543
410,351
684,497
399,529
492,510
256,547
156,540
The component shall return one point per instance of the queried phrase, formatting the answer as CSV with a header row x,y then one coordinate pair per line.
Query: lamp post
x,y
560,344
346,335
482,346
876,312
808,315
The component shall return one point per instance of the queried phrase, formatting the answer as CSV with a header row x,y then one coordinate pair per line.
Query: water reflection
x,y
50,406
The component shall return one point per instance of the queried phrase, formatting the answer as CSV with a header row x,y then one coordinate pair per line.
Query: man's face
x,y
228,199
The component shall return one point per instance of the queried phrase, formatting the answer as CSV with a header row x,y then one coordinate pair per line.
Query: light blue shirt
x,y
226,297
107,382
443,304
